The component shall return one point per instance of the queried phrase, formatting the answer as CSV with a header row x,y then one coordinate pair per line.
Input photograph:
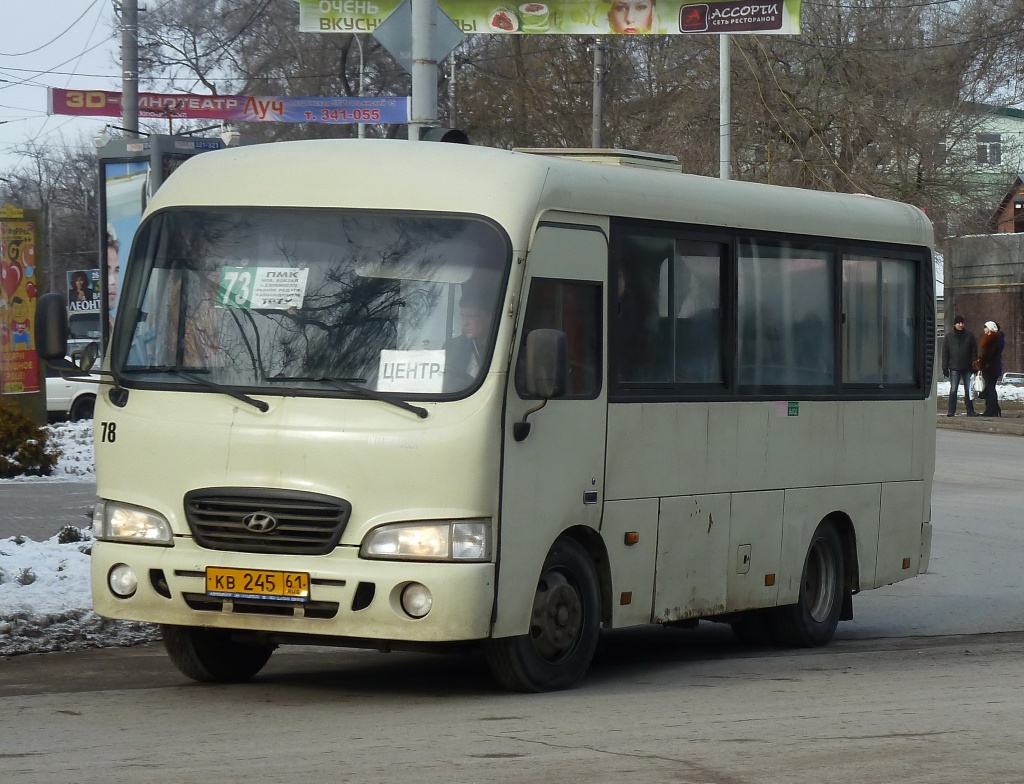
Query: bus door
x,y
554,478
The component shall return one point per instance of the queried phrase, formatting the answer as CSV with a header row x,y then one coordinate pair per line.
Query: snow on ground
x,y
74,439
1013,392
45,603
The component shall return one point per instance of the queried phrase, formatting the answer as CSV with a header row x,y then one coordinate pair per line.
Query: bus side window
x,y
698,312
575,309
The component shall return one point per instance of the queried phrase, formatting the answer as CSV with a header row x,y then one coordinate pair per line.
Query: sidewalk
x,y
1011,423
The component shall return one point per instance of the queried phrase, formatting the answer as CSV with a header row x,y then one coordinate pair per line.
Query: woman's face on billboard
x,y
631,16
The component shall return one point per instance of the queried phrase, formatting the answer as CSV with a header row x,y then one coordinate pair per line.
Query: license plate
x,y
257,584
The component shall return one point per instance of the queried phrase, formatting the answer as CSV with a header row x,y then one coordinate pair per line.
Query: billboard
x,y
236,108
84,291
19,362
126,193
569,17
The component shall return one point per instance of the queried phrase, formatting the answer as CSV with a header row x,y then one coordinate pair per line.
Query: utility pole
x,y
130,66
361,127
598,109
424,68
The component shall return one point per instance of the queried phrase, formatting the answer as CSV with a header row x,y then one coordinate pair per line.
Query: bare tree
x,y
254,47
60,183
874,96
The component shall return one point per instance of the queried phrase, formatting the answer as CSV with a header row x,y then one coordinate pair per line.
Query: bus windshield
x,y
312,301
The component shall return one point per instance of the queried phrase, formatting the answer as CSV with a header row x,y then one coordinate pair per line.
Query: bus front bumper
x,y
348,596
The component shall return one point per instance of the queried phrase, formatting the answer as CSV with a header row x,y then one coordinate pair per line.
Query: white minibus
x,y
409,395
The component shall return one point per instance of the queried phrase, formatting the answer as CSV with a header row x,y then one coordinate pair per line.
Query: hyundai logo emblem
x,y
260,522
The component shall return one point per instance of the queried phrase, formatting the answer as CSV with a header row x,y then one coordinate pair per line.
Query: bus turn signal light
x,y
631,538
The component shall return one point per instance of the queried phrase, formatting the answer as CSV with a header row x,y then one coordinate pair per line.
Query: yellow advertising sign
x,y
569,17
19,363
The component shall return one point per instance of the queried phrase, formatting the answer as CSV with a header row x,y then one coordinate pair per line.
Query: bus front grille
x,y
257,520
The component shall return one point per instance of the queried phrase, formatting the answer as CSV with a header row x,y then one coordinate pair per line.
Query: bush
x,y
72,533
24,447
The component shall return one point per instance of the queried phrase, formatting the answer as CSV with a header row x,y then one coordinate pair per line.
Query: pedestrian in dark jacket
x,y
990,363
959,350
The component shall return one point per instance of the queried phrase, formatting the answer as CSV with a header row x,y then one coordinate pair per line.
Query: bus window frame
x,y
837,249
518,370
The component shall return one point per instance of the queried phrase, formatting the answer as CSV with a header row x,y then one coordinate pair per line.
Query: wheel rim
x,y
557,617
820,578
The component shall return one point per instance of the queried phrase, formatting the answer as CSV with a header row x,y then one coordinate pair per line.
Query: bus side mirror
x,y
51,327
547,372
85,358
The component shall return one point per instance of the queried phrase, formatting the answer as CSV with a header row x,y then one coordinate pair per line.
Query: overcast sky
x,y
52,43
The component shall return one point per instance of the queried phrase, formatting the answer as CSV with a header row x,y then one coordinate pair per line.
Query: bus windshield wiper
x,y
205,382
346,384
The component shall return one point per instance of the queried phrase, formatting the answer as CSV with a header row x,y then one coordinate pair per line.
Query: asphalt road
x,y
38,510
658,706
924,685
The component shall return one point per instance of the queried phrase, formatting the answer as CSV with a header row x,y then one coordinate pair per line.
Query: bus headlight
x,y
453,540
117,522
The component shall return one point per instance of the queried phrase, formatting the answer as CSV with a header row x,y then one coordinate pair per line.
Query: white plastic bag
x,y
979,383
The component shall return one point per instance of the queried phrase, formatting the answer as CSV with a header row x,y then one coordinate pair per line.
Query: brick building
x,y
984,281
1009,216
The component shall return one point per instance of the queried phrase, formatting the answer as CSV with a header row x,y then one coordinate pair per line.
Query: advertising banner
x,y
126,192
569,17
84,291
19,363
235,108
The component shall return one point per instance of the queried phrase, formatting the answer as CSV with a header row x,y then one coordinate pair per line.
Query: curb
x,y
1009,424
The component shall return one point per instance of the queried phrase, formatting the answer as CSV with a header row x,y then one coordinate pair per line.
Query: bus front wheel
x,y
564,624
211,656
813,619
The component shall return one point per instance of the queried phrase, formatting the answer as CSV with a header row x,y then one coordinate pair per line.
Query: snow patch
x,y
45,599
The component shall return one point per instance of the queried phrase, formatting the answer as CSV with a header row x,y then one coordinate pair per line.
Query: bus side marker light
x,y
626,597
906,563
769,580
631,538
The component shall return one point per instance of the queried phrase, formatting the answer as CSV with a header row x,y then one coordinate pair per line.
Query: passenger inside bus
x,y
638,325
465,353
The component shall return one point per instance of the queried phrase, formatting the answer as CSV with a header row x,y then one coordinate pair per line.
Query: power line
x,y
55,38
54,71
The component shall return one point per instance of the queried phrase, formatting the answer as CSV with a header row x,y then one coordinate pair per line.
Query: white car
x,y
67,398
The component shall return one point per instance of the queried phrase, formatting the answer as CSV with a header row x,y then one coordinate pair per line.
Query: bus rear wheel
x,y
564,625
211,656
813,619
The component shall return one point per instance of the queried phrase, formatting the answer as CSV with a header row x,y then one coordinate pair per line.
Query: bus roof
x,y
514,188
